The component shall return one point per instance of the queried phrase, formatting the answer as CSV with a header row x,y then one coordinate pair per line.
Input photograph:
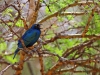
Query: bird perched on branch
x,y
29,38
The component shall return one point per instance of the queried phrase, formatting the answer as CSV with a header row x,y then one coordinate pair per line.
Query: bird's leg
x,y
30,50
30,53
23,50
35,48
27,51
38,46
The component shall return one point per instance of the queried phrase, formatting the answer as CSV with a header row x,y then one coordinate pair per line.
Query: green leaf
x,y
20,23
3,46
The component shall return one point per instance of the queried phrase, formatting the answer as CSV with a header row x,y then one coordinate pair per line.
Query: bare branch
x,y
66,7
4,70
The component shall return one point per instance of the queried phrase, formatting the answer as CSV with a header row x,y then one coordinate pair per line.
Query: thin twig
x,y
4,70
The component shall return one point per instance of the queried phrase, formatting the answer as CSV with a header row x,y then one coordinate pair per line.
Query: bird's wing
x,y
29,36
25,35
28,31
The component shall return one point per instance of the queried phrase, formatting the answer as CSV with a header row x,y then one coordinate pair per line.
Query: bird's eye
x,y
37,26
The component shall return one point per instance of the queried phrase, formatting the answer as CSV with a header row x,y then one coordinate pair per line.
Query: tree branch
x,y
66,7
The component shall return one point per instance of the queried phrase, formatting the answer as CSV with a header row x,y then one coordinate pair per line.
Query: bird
x,y
29,38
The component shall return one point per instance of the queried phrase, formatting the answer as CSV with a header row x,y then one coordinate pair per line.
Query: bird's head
x,y
36,26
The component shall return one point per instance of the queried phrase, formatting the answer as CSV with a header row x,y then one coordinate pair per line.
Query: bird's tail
x,y
16,51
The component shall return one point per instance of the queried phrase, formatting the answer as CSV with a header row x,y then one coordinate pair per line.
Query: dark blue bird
x,y
30,37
